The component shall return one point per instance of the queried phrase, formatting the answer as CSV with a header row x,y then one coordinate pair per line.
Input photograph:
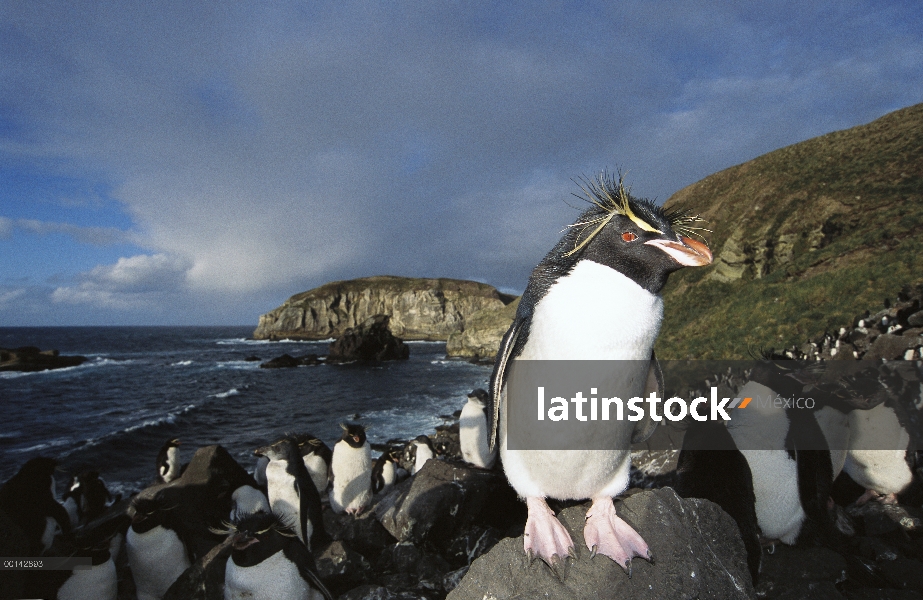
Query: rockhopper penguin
x,y
268,563
472,431
352,471
595,296
291,491
168,467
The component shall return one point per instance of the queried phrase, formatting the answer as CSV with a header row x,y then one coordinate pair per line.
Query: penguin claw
x,y
572,552
628,567
593,550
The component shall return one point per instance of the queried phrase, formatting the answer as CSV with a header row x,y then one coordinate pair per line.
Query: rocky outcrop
x,y
697,547
372,340
483,332
30,358
420,309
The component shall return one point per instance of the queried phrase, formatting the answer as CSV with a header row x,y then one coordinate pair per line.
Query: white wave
x,y
249,342
182,363
42,446
239,364
90,364
230,392
170,417
8,435
424,342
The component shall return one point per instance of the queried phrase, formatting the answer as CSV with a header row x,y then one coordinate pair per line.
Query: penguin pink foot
x,y
545,536
873,495
606,533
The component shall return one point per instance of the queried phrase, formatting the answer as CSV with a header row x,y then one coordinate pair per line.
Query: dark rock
x,y
30,359
372,340
447,443
377,592
697,547
287,361
472,543
916,319
881,594
890,346
453,578
253,359
202,495
792,572
904,574
204,580
414,567
364,533
879,519
340,568
447,497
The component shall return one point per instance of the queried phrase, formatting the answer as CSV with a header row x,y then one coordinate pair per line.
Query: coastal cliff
x,y
419,309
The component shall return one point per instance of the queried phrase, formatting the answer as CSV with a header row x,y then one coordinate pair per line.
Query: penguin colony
x,y
620,251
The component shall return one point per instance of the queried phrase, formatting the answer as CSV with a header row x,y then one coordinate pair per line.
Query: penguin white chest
x,y
283,497
99,582
157,557
472,431
317,467
274,578
885,471
352,477
775,474
423,454
594,313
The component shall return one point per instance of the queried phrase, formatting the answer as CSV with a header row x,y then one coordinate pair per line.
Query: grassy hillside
x,y
804,238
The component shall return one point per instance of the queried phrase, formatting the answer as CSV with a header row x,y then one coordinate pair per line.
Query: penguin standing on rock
x,y
291,492
168,466
423,451
316,456
472,431
268,562
87,498
352,471
28,498
595,296
384,474
157,554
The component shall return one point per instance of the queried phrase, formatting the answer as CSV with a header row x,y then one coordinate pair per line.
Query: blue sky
x,y
187,163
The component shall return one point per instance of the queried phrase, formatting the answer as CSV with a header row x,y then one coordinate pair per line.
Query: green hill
x,y
804,238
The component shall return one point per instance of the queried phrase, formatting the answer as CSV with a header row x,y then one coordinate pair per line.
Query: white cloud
x,y
8,296
132,282
6,227
96,236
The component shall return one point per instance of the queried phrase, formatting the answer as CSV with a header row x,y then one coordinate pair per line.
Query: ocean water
x,y
143,385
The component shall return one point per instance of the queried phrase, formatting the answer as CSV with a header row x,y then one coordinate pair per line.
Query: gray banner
x,y
46,563
835,405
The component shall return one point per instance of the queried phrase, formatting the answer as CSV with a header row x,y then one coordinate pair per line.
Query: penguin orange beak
x,y
687,252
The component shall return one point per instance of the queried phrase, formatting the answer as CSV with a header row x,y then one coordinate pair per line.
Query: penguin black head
x,y
353,434
478,395
148,513
258,536
634,236
423,440
309,444
37,475
284,449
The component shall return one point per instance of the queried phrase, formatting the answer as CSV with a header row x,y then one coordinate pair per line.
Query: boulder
x,y
696,545
372,340
364,533
30,358
445,498
287,361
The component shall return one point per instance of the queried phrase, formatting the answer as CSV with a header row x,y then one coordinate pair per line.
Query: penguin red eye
x,y
629,236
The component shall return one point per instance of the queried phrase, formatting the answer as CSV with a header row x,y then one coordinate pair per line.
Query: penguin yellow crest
x,y
609,195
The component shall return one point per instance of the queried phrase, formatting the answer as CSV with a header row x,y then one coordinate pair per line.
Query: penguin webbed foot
x,y
878,497
546,538
607,534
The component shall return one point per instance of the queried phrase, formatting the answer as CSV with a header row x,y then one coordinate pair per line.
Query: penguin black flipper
x,y
378,481
815,469
645,427
498,378
303,558
310,509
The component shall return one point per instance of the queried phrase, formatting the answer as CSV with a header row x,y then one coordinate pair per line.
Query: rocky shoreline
x,y
31,359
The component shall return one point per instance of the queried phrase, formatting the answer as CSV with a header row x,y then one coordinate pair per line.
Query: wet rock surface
x,y
370,341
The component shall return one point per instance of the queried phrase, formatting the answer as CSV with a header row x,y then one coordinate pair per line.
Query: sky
x,y
185,163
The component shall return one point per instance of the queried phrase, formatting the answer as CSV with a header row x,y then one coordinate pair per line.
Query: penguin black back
x,y
27,498
311,444
309,503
